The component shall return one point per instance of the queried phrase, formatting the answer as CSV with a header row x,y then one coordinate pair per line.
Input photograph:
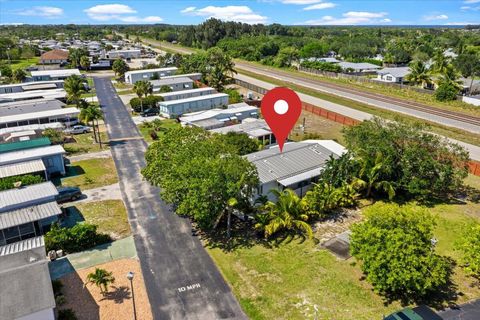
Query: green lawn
x,y
284,281
454,133
24,63
166,124
84,143
109,215
90,174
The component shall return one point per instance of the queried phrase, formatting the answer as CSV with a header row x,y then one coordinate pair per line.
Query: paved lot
x,y
468,311
182,280
110,192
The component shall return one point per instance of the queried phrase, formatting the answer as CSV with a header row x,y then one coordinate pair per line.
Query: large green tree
x,y
469,245
396,251
469,66
142,89
198,173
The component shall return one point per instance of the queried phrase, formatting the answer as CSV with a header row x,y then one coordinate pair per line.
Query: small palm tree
x,y
287,214
18,75
142,88
369,177
85,62
450,76
74,87
440,62
101,278
419,74
91,114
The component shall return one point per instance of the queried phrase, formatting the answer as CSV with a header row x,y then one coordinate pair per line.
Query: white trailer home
x,y
186,94
147,74
175,108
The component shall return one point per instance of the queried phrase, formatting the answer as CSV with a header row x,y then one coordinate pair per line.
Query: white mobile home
x,y
124,54
296,168
394,75
254,128
175,108
51,156
147,74
51,94
61,74
186,94
175,84
217,118
31,86
193,76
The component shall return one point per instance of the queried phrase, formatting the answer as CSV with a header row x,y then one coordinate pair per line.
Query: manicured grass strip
x,y
24,63
84,143
109,215
454,133
91,173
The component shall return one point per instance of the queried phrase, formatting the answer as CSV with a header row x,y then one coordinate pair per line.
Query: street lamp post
x,y
130,277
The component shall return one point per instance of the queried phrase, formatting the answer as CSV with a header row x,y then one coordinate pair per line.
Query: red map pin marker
x,y
281,108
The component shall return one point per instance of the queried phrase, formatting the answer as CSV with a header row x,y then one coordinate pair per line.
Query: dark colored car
x,y
417,313
150,112
66,194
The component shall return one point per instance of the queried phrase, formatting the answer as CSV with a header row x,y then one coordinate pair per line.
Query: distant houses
x,y
136,75
60,74
56,56
393,75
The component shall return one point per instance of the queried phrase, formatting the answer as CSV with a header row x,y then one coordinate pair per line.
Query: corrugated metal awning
x,y
20,246
42,86
300,177
29,214
26,167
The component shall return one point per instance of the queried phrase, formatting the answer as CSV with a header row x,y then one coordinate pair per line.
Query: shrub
x,y
323,66
446,92
55,136
233,96
80,237
66,314
27,179
396,251
469,245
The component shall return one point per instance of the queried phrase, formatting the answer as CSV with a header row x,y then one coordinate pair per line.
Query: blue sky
x,y
312,12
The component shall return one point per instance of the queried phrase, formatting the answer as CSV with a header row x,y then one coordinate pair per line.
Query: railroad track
x,y
411,105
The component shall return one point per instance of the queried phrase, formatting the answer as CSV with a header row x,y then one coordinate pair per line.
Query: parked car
x,y
66,194
417,313
77,129
149,112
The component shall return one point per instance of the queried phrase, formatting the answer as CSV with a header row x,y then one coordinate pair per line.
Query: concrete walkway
x,y
120,249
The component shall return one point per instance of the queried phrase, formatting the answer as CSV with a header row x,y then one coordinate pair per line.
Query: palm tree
x,y
287,213
450,76
142,88
18,75
101,278
369,177
419,74
440,62
74,87
85,62
91,114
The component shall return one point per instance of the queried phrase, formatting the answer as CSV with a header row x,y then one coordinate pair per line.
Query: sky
x,y
291,12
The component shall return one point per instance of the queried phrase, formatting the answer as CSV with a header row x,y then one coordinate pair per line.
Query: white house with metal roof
x,y
50,94
184,94
359,66
297,167
51,156
175,84
147,74
217,118
175,108
26,290
254,128
197,76
58,74
30,86
124,54
394,75
25,212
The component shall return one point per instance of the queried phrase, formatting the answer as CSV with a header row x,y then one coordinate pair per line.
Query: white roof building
x,y
359,67
58,74
22,197
396,75
50,94
146,74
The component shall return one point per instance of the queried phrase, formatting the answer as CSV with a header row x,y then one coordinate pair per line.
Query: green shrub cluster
x,y
28,179
80,237
323,66
148,102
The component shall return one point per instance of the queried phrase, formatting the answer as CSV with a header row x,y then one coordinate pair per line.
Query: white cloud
x,y
459,23
320,6
435,17
471,1
352,18
228,13
300,2
465,7
470,8
118,12
47,12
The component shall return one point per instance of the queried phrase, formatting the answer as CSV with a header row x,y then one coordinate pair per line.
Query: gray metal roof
x,y
26,196
23,245
22,107
30,154
29,214
247,126
358,65
399,72
170,81
25,290
26,167
296,158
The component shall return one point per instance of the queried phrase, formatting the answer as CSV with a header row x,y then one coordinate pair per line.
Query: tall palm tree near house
x,y
450,76
142,88
74,87
85,62
91,114
440,62
419,74
370,177
287,213
101,278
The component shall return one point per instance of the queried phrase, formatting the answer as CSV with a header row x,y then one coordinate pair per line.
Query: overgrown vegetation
x,y
17,181
80,237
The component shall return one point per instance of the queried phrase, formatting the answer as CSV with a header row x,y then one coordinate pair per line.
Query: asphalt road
x,y
468,311
181,279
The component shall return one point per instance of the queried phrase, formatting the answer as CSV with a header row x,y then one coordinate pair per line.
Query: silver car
x,y
78,129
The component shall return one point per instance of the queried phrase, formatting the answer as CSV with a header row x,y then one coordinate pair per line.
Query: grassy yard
x,y
284,280
145,129
317,127
84,143
109,215
454,133
24,63
90,174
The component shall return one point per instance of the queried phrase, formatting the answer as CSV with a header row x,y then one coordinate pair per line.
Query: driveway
x,y
181,279
111,192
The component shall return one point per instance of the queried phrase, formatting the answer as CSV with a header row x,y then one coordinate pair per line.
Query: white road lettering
x,y
189,287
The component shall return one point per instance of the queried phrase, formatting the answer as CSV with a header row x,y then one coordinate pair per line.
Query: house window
x,y
389,78
2,239
11,235
27,230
